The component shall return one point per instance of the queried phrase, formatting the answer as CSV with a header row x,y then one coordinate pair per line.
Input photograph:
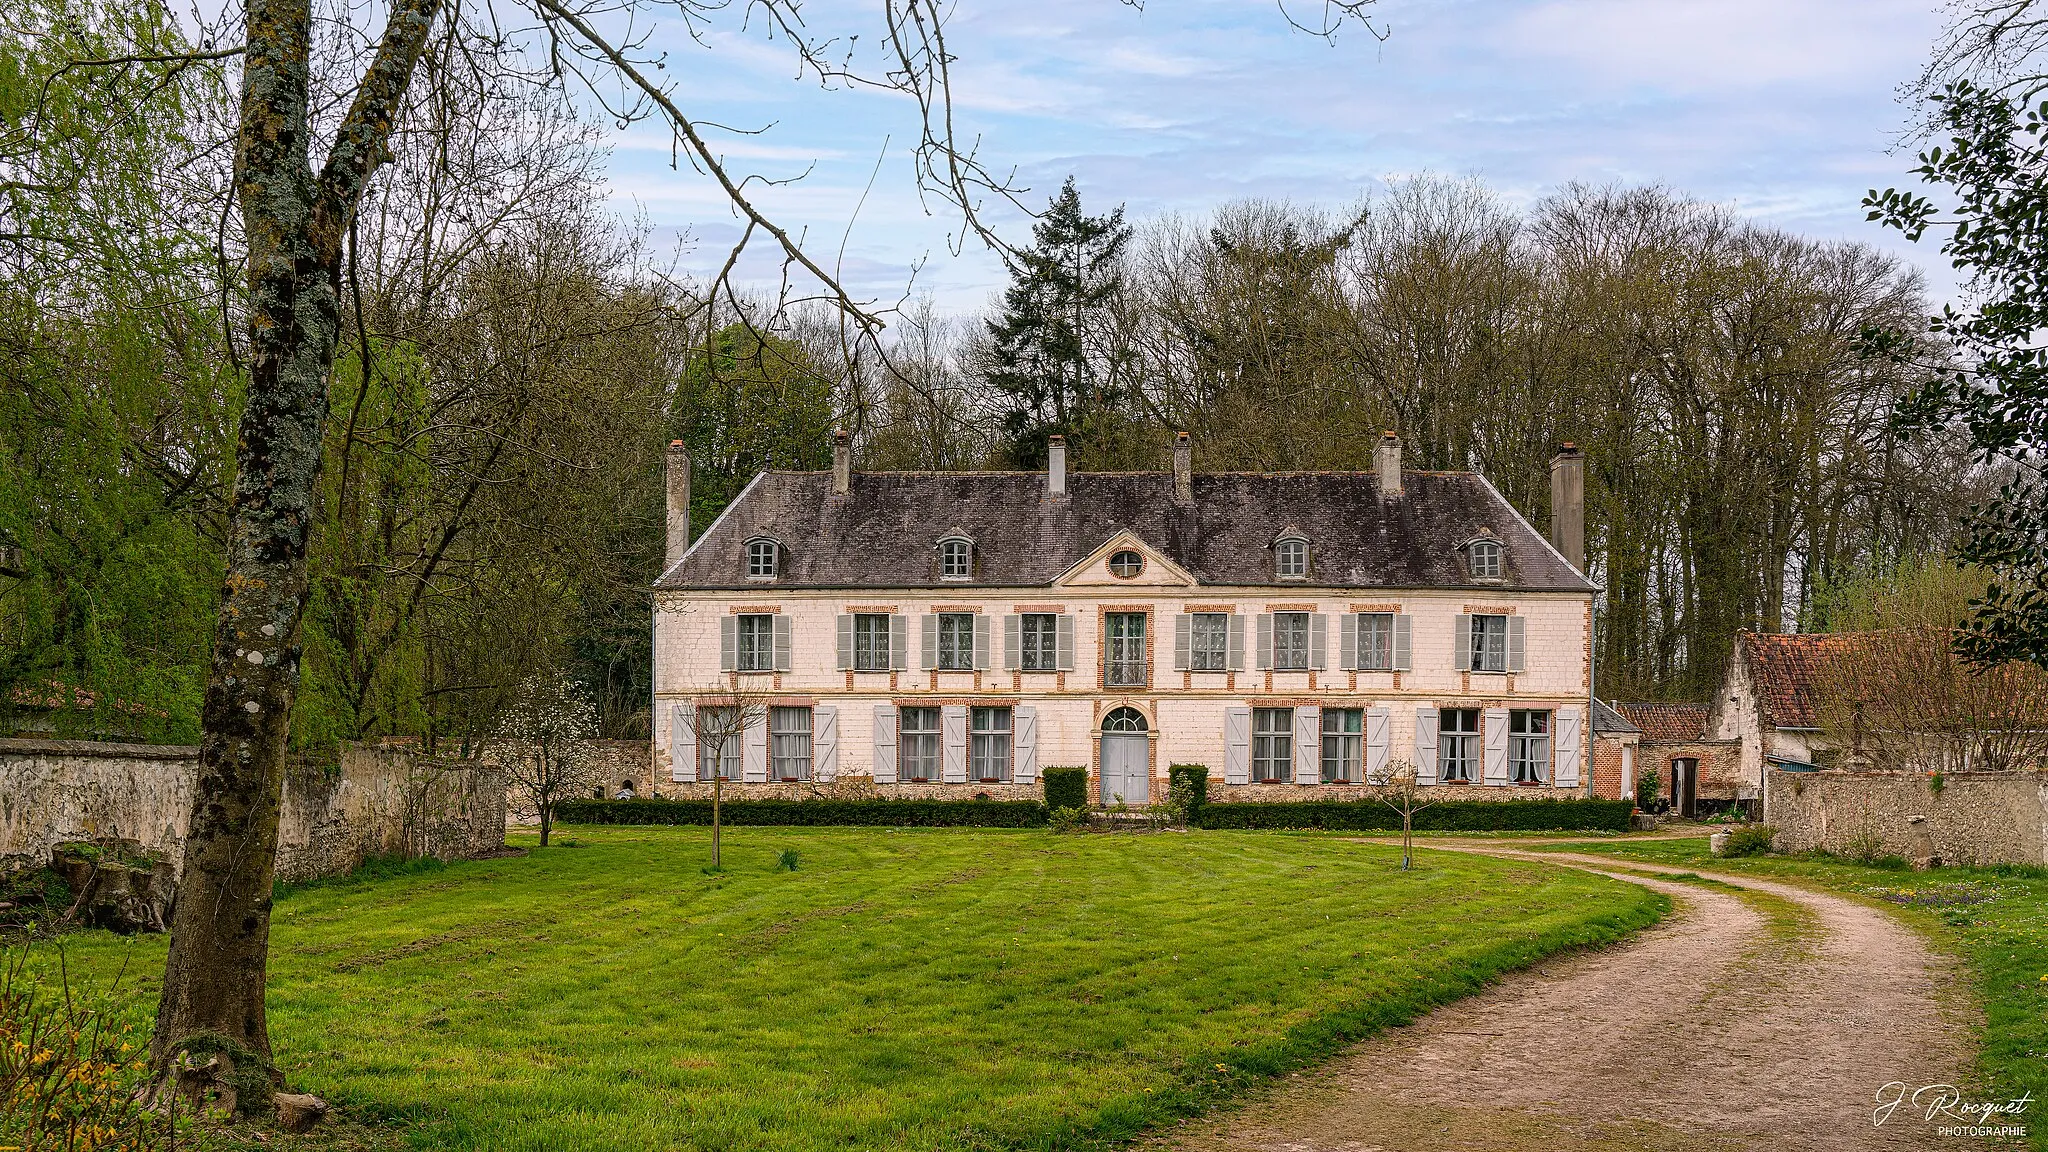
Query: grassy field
x,y
907,989
1996,919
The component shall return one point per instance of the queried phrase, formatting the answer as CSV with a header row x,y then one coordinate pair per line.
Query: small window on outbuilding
x,y
1485,559
956,558
763,558
1126,563
1290,558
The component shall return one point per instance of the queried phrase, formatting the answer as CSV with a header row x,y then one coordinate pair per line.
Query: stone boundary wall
x,y
1976,818
379,802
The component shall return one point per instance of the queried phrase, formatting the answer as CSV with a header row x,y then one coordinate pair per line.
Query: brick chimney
x,y
1183,470
1386,460
1056,466
1568,504
678,503
842,463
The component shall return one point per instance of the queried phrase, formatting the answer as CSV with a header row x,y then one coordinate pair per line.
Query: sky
x,y
1786,111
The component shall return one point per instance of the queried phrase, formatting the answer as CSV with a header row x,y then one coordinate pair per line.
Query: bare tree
x,y
1901,700
719,723
1397,786
543,740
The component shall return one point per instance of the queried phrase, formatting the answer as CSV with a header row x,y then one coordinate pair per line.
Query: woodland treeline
x,y
514,360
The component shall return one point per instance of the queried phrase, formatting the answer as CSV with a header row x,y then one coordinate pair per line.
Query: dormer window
x,y
1484,556
763,558
1126,563
956,558
1290,558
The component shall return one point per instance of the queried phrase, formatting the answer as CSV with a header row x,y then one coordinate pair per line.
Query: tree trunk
x,y
547,822
294,222
715,796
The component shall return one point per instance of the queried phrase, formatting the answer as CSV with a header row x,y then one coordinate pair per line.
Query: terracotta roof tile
x,y
1662,721
1786,668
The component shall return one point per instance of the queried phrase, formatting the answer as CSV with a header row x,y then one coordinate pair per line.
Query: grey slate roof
x,y
885,533
1606,719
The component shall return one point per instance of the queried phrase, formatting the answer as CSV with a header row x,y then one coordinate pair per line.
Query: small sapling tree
x,y
720,722
1397,785
544,740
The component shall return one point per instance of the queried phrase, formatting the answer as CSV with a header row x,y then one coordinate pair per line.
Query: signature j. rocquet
x,y
1943,1101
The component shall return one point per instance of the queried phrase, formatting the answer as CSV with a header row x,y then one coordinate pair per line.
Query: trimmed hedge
x,y
1065,787
1197,776
836,813
1449,816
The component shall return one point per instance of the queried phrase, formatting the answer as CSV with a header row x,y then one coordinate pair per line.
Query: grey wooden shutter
x,y
953,726
845,641
1308,745
884,767
1265,640
1516,637
782,642
1377,723
754,751
928,655
825,743
1347,641
1237,745
729,644
1183,641
1013,642
1566,774
1319,641
1404,656
899,643
1496,734
1025,762
682,743
1461,645
981,642
1063,642
1425,745
1234,646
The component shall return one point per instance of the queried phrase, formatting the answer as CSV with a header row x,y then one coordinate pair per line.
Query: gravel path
x,y
1765,1018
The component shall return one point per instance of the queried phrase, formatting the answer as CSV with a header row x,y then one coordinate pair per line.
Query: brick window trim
x,y
754,610
1490,610
1291,607
1356,609
1038,609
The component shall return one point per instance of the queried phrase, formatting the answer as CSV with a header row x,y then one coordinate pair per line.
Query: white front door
x,y
1126,774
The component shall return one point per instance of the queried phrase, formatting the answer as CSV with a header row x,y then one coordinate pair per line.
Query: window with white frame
x,y
718,744
761,558
1485,558
1457,745
1376,642
956,559
1126,563
1209,642
756,636
1124,655
1290,559
789,743
871,642
1039,635
917,745
1529,745
1272,745
1489,644
989,756
1290,641
1343,745
956,641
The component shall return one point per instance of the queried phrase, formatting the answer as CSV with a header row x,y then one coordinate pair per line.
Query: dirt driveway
x,y
1766,1017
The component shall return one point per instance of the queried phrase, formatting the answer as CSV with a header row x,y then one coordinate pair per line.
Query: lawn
x,y
899,989
1995,919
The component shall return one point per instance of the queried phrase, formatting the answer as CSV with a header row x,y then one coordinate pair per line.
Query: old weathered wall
x,y
1975,818
378,802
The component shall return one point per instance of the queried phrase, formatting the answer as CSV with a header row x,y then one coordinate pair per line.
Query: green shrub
x,y
811,813
1065,787
1450,816
787,861
1196,777
1068,820
1752,841
1646,787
